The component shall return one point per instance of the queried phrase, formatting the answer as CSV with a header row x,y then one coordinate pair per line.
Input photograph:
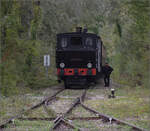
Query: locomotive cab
x,y
78,58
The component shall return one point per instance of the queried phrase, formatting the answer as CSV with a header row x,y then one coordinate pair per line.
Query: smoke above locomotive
x,y
79,57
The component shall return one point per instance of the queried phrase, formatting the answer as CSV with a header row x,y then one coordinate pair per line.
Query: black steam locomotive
x,y
79,57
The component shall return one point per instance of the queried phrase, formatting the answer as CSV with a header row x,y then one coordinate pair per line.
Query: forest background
x,y
28,30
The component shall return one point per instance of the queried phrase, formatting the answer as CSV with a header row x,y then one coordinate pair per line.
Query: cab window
x,y
64,42
76,41
89,42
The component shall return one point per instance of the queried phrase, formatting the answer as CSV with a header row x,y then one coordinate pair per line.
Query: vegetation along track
x,y
63,118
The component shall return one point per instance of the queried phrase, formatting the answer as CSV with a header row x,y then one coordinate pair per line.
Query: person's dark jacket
x,y
107,70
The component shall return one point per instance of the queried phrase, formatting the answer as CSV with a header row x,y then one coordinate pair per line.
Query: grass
x,y
85,124
40,113
43,83
72,92
11,106
81,112
97,125
131,104
30,126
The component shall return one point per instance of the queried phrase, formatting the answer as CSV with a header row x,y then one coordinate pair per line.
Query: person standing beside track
x,y
107,71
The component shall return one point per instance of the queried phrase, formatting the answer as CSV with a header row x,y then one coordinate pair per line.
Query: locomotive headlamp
x,y
89,65
62,65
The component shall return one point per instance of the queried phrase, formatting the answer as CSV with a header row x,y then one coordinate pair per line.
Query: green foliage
x,y
28,31
131,43
19,50
119,30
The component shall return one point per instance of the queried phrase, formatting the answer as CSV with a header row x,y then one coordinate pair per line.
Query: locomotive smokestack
x,y
79,29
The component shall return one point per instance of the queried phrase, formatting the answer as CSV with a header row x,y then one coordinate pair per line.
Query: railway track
x,y
64,118
50,98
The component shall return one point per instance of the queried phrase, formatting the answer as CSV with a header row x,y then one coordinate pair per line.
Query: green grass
x,y
79,111
131,104
43,83
85,124
71,92
30,125
40,113
97,125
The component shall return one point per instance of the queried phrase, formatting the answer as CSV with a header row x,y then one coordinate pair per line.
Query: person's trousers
x,y
106,80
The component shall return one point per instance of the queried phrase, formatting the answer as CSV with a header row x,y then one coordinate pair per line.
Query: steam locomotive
x,y
79,57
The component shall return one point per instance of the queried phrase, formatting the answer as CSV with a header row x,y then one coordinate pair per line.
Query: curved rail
x,y
3,125
110,119
61,118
